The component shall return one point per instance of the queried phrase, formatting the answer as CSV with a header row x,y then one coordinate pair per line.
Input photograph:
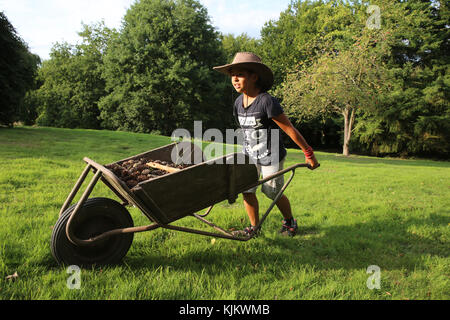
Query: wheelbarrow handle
x,y
281,172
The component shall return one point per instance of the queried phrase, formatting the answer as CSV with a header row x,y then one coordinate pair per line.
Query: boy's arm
x,y
285,124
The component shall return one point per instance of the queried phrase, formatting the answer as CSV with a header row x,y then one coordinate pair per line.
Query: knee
x,y
249,196
269,191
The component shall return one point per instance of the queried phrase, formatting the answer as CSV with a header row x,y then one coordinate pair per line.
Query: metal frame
x,y
100,171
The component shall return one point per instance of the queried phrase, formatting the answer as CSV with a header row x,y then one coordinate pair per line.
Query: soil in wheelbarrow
x,y
135,171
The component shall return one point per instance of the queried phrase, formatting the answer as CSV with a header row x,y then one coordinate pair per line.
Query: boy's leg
x,y
271,189
284,206
252,207
251,202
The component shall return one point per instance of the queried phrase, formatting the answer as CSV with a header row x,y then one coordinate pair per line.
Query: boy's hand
x,y
310,158
312,162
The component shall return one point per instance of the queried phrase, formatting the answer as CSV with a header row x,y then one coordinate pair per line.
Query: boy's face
x,y
243,80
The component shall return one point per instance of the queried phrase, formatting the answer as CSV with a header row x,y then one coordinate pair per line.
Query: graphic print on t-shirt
x,y
255,140
247,121
261,135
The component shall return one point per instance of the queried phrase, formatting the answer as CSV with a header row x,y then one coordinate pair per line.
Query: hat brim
x,y
264,72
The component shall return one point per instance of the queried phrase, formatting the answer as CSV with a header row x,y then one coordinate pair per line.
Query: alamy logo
x,y
255,143
74,280
373,282
374,20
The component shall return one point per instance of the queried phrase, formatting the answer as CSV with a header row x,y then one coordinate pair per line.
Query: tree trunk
x,y
349,118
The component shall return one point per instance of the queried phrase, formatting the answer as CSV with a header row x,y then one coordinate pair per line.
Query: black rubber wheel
x,y
96,216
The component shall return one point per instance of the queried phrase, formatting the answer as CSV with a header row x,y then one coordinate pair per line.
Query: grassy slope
x,y
353,212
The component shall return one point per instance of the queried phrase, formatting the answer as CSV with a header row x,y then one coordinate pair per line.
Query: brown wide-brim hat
x,y
252,62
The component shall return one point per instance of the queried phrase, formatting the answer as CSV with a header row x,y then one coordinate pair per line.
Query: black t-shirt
x,y
261,136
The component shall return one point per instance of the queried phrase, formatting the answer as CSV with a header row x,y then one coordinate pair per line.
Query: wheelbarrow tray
x,y
167,198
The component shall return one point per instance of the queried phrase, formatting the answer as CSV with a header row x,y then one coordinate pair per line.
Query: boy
x,y
260,115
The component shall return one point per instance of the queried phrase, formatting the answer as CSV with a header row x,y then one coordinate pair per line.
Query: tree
x,y
287,41
72,82
296,38
18,68
241,43
158,70
415,115
341,82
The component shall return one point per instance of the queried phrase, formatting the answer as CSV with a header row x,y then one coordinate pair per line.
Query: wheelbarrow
x,y
99,231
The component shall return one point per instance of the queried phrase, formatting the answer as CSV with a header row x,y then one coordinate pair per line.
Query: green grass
x,y
353,212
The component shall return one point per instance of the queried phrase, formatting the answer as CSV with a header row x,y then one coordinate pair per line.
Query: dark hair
x,y
258,82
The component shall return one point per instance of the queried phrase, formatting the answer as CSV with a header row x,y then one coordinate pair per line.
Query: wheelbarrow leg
x,y
83,198
199,217
75,189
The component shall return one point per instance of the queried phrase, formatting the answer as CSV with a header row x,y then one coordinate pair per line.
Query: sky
x,y
42,23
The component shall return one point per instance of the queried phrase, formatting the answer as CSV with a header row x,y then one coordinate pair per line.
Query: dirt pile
x,y
137,170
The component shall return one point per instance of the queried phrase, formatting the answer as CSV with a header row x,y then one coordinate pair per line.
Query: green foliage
x,y
72,82
343,82
292,38
158,70
414,117
241,43
18,68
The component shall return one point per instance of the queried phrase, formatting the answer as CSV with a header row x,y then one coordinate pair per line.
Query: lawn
x,y
353,212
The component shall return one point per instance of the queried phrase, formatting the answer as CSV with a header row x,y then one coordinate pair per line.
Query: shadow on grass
x,y
387,243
